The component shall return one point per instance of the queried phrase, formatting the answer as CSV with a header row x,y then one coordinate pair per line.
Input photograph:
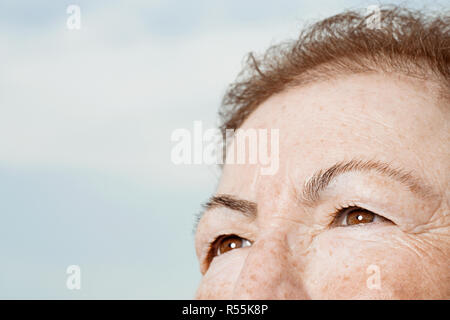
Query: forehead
x,y
371,116
375,97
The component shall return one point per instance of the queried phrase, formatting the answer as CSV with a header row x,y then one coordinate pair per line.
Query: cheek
x,y
222,275
336,267
377,263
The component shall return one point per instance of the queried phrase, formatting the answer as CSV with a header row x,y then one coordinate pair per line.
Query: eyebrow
x,y
315,185
224,200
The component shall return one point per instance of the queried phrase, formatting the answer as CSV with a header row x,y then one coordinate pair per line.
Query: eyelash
x,y
340,210
335,216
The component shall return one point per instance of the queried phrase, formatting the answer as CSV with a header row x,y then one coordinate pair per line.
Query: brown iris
x,y
359,216
228,243
225,243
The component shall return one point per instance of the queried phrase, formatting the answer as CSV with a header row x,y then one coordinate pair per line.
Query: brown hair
x,y
409,42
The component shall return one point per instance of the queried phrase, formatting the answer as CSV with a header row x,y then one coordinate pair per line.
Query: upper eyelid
x,y
369,206
349,209
228,211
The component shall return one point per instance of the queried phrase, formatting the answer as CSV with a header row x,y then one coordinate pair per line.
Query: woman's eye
x,y
355,215
227,243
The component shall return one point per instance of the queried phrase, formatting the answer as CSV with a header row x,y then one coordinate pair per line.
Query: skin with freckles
x,y
297,250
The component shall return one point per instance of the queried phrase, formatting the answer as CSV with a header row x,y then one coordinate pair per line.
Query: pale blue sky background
x,y
85,124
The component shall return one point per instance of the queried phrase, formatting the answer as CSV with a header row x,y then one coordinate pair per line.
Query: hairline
x,y
327,72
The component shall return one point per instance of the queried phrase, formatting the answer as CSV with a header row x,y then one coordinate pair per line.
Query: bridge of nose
x,y
271,269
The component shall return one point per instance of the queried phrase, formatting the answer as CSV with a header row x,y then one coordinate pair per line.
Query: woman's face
x,y
388,140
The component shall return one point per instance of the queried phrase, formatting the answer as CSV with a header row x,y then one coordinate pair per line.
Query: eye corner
x,y
338,214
